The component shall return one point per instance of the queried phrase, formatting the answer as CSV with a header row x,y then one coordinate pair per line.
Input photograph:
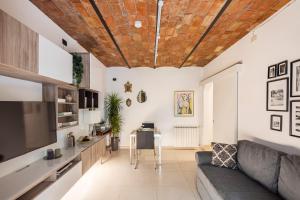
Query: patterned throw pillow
x,y
224,155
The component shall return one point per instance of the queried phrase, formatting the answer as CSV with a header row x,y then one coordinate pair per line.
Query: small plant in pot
x,y
77,69
113,107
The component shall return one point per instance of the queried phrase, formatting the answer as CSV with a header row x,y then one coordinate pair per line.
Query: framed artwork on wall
x,y
272,71
277,95
295,118
295,78
282,68
184,103
276,122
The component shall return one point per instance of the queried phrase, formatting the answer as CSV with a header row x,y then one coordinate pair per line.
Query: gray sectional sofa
x,y
263,174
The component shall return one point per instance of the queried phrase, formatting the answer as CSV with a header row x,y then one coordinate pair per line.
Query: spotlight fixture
x,y
138,24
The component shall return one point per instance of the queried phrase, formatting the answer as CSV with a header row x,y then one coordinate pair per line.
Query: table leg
x,y
159,151
130,150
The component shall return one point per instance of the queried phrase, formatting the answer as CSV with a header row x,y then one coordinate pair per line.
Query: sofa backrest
x,y
289,177
260,163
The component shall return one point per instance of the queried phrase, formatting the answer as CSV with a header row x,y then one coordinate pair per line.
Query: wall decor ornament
x,y
282,68
128,87
142,97
295,78
295,118
277,95
128,102
272,71
184,103
276,122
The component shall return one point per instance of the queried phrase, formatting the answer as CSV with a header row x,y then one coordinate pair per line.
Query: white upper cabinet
x,y
54,62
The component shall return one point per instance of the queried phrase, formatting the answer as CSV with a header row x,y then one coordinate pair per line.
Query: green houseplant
x,y
77,69
113,107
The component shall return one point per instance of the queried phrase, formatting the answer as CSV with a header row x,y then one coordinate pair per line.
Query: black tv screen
x,y
25,126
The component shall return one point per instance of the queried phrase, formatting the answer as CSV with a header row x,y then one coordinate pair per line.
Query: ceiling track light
x,y
157,36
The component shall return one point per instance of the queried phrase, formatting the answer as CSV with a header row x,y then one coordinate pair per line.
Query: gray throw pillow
x,y
289,177
224,155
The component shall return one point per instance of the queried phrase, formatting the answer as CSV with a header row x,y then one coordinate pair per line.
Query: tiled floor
x,y
117,180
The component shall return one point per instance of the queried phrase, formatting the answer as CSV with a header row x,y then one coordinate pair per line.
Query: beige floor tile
x,y
175,193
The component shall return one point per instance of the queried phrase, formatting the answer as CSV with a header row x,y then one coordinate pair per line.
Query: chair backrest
x,y
148,125
145,140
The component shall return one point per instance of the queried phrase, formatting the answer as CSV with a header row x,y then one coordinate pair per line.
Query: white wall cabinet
x,y
54,62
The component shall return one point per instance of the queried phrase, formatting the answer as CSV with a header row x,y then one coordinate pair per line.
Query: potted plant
x,y
77,69
113,107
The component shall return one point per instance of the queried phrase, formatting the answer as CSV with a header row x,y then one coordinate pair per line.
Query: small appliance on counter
x,y
53,154
70,140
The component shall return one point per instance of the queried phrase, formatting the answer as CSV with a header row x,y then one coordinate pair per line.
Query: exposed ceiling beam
x,y
95,7
225,6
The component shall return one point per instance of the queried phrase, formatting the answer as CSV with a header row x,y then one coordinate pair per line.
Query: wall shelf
x,y
88,99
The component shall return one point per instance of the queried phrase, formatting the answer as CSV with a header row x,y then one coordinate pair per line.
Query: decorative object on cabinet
x,y
282,68
294,118
128,102
277,95
88,99
113,107
276,122
77,69
184,103
128,87
142,97
70,140
91,118
272,71
69,98
295,78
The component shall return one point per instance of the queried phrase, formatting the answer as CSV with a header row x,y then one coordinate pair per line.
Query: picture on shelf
x,y
277,95
282,68
295,78
276,122
295,118
272,71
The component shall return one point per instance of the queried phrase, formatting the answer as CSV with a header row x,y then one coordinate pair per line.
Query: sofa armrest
x,y
203,157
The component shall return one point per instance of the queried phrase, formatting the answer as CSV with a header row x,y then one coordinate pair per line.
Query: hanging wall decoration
x,y
276,122
295,118
128,102
128,87
142,97
277,95
272,71
282,68
295,78
184,103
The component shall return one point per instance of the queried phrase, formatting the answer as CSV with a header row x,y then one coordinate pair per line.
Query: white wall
x,y
277,40
208,118
28,14
159,85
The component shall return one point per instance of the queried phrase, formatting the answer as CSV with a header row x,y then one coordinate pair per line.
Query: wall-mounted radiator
x,y
187,136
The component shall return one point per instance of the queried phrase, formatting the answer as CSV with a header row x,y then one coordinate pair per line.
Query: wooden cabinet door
x,y
18,44
86,158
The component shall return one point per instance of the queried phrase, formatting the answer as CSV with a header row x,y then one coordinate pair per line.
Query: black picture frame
x,y
291,118
270,68
280,121
287,95
292,78
284,65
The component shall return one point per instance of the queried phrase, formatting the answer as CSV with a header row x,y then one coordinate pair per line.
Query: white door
x,y
207,133
225,107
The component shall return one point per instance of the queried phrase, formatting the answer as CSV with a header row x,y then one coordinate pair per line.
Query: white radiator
x,y
187,136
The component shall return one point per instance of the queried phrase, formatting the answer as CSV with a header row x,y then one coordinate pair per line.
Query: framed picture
x,y
272,71
184,103
295,118
277,95
282,68
276,122
295,78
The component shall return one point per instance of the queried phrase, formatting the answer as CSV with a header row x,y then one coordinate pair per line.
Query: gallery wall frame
x,y
282,68
272,71
278,95
295,118
295,78
276,123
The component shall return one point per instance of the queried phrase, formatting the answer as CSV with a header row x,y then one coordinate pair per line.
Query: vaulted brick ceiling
x,y
187,37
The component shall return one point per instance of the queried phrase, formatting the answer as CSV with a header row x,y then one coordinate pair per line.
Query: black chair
x,y
144,140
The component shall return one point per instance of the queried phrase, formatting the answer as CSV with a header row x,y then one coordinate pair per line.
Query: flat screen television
x,y
25,126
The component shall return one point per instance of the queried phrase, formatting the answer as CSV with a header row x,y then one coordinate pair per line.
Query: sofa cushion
x,y
224,155
232,184
203,157
260,163
289,177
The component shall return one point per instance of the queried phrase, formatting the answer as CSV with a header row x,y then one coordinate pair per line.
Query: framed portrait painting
x,y
184,103
277,95
295,78
295,118
276,122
